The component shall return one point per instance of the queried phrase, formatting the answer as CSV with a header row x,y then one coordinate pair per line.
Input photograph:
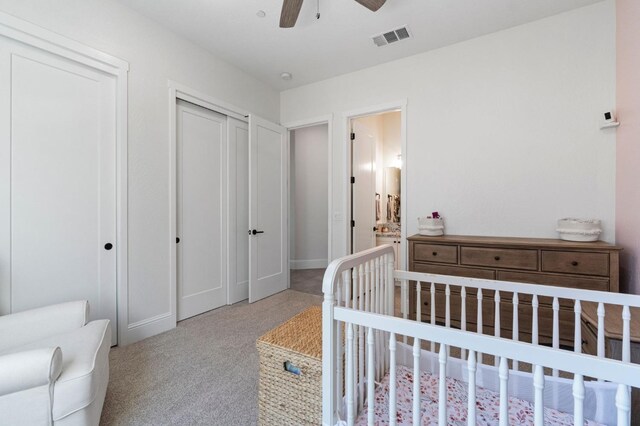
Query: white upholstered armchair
x,y
54,366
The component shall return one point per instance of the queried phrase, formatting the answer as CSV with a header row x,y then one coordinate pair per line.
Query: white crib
x,y
364,342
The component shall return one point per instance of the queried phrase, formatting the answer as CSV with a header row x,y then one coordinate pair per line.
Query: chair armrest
x,y
28,369
35,324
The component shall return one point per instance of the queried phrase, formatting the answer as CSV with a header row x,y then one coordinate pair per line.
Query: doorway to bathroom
x,y
375,187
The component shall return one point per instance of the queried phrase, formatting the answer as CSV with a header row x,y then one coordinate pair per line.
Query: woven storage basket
x,y
286,398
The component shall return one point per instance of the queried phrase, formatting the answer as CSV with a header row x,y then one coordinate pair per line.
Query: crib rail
x,y
360,333
626,375
363,282
537,292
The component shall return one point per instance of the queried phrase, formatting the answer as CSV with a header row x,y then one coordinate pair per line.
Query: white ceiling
x,y
340,41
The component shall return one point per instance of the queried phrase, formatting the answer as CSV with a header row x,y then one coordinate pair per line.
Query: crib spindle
x,y
556,329
623,404
432,317
404,303
471,393
503,373
534,319
463,317
479,321
418,301
390,284
515,334
361,344
601,314
392,380
350,377
538,401
416,382
371,389
367,286
340,344
496,321
577,327
404,298
390,288
578,400
626,334
442,386
447,314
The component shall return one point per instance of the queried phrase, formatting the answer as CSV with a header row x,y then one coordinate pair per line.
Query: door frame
x,y
48,41
177,91
400,105
300,124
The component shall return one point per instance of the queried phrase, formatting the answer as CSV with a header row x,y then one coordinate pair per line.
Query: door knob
x,y
254,232
108,246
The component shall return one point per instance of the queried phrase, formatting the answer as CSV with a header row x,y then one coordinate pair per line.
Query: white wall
x,y
309,190
502,135
155,55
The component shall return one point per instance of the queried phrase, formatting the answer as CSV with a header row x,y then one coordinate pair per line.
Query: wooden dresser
x,y
593,266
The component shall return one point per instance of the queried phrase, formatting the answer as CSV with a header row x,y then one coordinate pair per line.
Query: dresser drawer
x,y
555,280
499,258
571,262
435,253
454,270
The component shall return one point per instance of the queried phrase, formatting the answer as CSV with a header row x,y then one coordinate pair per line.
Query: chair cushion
x,y
85,362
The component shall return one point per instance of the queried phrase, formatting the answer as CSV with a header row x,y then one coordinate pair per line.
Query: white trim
x,y
185,93
315,121
209,102
308,264
346,123
33,35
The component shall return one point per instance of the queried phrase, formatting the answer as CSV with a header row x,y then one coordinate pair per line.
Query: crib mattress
x,y
487,403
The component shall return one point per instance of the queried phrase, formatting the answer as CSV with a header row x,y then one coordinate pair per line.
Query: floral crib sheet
x,y
487,403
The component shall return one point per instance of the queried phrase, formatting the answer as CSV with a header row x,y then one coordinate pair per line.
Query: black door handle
x,y
108,246
177,240
254,232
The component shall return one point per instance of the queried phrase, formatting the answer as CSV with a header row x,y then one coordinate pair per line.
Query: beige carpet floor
x,y
307,280
204,372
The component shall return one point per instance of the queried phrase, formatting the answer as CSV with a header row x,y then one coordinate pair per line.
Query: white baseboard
x,y
146,328
238,292
308,264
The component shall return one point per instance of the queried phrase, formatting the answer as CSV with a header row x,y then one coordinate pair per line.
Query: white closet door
x,y
363,191
57,188
201,180
238,210
268,206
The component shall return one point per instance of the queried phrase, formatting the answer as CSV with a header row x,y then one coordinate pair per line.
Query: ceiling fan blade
x,y
290,12
372,5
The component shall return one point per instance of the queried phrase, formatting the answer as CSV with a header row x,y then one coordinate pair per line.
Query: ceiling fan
x,y
291,10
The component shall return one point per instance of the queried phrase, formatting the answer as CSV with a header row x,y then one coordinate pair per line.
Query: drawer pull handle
x,y
435,253
497,257
574,263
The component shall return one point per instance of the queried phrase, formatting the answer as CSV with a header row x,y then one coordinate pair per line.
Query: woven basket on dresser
x,y
286,398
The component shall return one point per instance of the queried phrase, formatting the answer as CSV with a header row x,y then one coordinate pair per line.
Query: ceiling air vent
x,y
391,36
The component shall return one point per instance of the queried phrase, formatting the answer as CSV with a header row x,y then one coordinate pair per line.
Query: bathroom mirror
x,y
392,193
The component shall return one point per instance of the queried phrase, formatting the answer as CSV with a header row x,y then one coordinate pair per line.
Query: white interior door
x,y
57,183
238,132
201,228
268,205
363,188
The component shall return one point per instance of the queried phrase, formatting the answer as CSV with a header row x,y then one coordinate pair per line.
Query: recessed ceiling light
x,y
261,14
286,76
